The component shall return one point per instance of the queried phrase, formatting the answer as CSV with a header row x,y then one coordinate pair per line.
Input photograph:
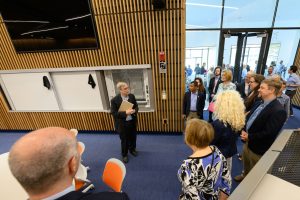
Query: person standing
x,y
293,82
204,174
213,87
244,88
263,124
193,102
229,120
197,70
226,84
125,121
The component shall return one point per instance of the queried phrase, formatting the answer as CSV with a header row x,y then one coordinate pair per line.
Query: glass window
x,y
135,79
288,14
201,49
248,14
203,14
284,44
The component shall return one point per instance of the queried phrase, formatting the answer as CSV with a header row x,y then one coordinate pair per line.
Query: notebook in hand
x,y
125,106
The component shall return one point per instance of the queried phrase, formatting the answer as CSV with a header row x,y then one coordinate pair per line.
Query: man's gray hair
x,y
44,167
121,84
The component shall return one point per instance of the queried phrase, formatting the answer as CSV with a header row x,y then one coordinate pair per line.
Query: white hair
x,y
121,84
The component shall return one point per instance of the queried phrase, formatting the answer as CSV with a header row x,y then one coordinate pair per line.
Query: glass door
x,y
243,51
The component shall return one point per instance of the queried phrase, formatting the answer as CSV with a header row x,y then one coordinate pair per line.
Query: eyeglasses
x,y
251,81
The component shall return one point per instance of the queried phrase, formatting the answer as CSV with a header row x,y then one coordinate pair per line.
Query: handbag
x,y
211,106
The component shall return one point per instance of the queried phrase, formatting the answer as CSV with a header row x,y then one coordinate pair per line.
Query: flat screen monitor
x,y
49,25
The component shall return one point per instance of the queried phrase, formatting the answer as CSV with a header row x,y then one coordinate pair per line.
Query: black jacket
x,y
240,87
120,117
265,127
211,87
224,138
78,195
199,105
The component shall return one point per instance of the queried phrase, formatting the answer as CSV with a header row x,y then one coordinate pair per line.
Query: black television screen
x,y
49,25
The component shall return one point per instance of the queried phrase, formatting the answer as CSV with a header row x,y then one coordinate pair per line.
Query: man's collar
x,y
69,189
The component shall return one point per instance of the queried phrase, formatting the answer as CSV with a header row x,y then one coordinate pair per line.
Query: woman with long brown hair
x,y
253,98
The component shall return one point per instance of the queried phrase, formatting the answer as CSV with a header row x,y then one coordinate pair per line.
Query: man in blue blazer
x,y
263,125
193,103
125,121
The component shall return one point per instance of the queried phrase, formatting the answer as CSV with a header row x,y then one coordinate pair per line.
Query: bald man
x,y
45,162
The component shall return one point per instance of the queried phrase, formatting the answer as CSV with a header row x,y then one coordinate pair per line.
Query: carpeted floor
x,y
151,175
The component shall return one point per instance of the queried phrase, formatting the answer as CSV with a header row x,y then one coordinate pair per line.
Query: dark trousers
x,y
210,113
128,137
291,94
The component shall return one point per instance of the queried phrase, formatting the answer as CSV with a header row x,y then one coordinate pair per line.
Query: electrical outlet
x,y
165,121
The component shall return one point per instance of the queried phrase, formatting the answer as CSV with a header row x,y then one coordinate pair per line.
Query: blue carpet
x,y
151,175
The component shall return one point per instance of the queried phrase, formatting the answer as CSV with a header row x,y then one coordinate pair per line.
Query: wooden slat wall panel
x,y
296,98
129,32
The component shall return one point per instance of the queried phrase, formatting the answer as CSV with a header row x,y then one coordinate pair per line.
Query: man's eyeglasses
x,y
251,81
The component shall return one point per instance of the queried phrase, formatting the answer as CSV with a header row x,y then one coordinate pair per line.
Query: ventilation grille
x,y
287,165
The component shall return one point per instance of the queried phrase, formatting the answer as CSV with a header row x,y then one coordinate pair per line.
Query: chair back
x,y
81,147
114,174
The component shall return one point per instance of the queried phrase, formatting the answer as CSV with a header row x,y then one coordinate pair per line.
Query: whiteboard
x,y
74,92
27,92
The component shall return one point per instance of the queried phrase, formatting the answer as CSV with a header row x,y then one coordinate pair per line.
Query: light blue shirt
x,y
294,80
284,100
193,106
62,193
129,117
254,115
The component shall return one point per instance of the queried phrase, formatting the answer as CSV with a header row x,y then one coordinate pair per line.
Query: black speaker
x,y
159,4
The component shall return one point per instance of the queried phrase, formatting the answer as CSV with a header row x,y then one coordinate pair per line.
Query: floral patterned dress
x,y
204,177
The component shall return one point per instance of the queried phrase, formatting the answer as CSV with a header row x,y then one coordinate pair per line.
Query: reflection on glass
x,y
248,14
288,14
203,14
283,48
135,79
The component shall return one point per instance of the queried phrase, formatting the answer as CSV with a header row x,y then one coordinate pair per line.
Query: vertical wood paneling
x,y
129,32
296,98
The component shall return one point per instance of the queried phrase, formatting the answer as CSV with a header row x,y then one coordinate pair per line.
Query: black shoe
x,y
125,159
134,153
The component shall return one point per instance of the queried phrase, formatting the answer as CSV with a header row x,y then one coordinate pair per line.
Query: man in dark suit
x,y
193,103
244,88
45,162
125,121
263,125
213,87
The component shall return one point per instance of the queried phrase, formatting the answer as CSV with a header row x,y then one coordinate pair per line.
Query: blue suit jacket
x,y
266,127
199,105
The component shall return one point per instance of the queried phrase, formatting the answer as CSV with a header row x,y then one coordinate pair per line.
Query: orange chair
x,y
114,174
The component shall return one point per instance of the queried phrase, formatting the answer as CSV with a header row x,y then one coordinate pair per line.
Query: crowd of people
x,y
254,110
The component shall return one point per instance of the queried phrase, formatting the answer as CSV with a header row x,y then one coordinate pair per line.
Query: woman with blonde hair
x,y
229,119
226,78
204,174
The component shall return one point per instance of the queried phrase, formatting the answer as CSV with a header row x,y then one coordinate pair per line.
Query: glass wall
x,y
203,14
205,18
283,48
201,50
248,14
288,14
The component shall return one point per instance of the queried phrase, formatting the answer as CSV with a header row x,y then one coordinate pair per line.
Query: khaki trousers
x,y
192,115
249,159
